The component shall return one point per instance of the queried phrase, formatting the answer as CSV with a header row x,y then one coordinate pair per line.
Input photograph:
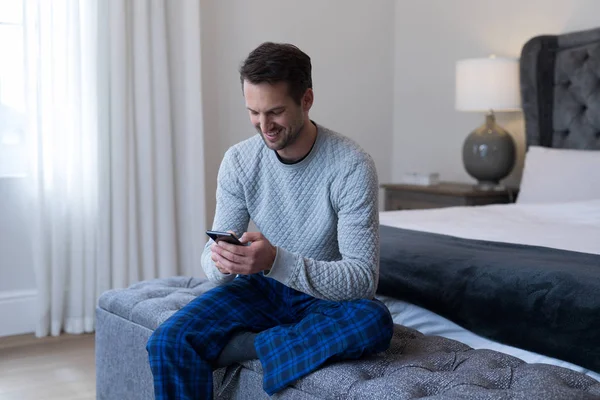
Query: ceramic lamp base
x,y
489,154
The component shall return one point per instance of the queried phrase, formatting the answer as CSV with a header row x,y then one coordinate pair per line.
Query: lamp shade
x,y
484,84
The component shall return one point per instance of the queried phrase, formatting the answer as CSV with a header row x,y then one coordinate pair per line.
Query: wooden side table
x,y
444,194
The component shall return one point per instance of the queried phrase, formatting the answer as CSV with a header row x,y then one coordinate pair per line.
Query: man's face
x,y
274,113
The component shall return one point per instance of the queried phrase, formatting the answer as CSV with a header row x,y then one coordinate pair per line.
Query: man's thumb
x,y
251,237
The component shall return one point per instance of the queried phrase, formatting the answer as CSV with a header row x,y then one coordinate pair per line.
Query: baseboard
x,y
17,312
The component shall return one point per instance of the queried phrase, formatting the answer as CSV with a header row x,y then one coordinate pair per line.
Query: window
x,y
12,89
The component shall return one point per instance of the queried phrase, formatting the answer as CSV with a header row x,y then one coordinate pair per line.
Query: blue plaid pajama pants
x,y
298,334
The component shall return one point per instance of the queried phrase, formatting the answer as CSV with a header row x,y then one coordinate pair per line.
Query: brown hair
x,y
279,62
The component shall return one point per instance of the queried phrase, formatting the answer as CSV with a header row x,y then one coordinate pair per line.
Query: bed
x,y
495,240
522,278
444,346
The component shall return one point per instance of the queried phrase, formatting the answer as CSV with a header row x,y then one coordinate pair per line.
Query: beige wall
x,y
430,36
351,46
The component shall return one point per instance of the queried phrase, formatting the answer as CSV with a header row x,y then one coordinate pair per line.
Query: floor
x,y
49,368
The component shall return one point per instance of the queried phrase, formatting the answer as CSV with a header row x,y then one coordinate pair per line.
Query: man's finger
x,y
251,237
226,265
230,267
241,269
222,250
215,258
232,248
234,258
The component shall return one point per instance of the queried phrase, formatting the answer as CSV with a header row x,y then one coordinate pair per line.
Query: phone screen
x,y
225,236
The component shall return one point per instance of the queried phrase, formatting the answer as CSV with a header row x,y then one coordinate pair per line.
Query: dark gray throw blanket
x,y
536,298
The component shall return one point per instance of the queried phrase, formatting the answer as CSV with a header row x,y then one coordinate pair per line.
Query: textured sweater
x,y
320,213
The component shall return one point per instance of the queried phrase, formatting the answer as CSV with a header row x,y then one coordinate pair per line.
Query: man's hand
x,y
258,256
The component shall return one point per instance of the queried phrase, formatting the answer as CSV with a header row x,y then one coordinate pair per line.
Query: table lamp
x,y
488,85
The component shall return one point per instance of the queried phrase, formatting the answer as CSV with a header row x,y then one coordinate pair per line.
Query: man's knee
x,y
168,344
382,313
160,343
377,322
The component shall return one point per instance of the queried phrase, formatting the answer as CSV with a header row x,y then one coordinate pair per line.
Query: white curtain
x,y
61,99
115,96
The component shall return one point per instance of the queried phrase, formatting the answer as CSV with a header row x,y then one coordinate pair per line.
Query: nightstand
x,y
444,194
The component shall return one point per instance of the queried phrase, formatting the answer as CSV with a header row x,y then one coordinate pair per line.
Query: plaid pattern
x,y
298,334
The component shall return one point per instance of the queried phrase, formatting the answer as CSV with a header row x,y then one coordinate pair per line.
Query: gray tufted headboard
x,y
560,89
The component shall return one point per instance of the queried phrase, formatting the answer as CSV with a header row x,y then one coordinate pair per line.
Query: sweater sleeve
x,y
355,275
231,213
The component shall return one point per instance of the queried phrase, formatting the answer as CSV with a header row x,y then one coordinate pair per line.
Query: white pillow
x,y
559,175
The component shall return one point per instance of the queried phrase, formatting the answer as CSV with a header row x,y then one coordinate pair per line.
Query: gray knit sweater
x,y
321,213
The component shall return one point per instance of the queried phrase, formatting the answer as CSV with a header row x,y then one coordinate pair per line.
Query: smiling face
x,y
276,116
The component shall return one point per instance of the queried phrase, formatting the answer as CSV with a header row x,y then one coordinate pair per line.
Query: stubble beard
x,y
288,137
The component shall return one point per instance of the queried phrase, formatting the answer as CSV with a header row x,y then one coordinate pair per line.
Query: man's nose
x,y
265,124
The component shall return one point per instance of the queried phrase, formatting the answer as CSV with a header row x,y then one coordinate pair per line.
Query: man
x,y
300,292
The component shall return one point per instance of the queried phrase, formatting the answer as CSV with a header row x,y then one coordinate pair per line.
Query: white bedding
x,y
571,226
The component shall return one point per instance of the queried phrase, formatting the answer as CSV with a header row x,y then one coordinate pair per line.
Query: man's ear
x,y
308,99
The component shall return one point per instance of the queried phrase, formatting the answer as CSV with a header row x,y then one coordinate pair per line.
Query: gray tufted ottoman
x,y
415,366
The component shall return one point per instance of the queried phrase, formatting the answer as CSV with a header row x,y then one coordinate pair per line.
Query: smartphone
x,y
225,236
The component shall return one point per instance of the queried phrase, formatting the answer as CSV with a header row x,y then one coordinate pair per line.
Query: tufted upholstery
x,y
560,87
577,97
150,303
415,366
